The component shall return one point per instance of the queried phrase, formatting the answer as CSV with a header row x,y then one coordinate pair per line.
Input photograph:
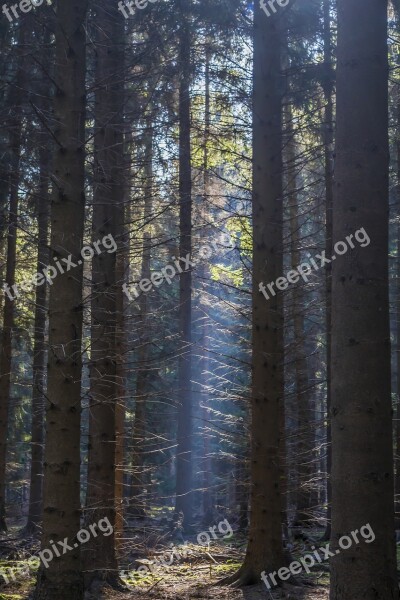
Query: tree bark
x,y
4,189
137,500
265,547
361,414
184,498
397,421
15,139
122,268
61,498
304,442
99,557
40,350
204,319
328,159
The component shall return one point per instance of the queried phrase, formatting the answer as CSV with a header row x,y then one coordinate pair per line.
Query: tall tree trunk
x,y
204,320
100,557
397,421
122,267
265,548
328,159
4,168
304,445
39,350
15,138
8,326
122,493
362,449
137,501
184,498
61,498
4,189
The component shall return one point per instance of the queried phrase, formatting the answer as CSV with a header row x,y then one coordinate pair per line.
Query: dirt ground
x,y
183,590
192,576
183,582
198,579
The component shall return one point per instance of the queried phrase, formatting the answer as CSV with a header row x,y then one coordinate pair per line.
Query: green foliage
x,y
227,274
240,229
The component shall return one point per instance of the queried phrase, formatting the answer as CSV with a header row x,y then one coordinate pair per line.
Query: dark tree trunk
x,y
61,497
122,267
137,501
15,138
265,547
184,498
304,412
40,350
361,412
204,320
99,556
328,158
397,421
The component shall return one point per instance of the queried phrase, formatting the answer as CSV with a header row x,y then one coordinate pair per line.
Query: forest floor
x,y
191,577
198,582
186,590
182,583
182,589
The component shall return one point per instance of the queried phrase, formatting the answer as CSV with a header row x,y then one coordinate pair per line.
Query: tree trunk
x,y
15,138
204,320
122,342
304,443
99,557
184,498
39,350
265,547
137,501
4,188
397,421
122,267
361,414
328,159
61,516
